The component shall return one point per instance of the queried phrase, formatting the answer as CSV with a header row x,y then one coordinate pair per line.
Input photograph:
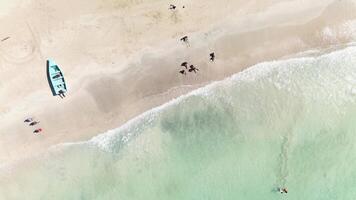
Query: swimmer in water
x,y
283,190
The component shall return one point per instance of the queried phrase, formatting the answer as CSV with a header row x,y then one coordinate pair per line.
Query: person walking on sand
x,y
184,39
183,72
184,64
193,69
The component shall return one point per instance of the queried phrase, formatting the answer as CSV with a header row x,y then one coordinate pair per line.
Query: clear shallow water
x,y
288,123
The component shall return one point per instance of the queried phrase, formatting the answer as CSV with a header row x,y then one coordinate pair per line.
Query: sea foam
x,y
284,68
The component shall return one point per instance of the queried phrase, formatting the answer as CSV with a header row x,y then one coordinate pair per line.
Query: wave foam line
x,y
105,140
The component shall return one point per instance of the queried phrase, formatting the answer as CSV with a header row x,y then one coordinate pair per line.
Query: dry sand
x,y
121,57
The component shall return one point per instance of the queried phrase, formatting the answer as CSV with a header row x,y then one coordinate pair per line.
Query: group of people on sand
x,y
173,7
192,68
32,122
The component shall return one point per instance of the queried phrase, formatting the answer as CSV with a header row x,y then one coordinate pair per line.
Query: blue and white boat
x,y
55,78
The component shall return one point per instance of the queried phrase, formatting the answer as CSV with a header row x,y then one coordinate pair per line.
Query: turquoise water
x,y
280,124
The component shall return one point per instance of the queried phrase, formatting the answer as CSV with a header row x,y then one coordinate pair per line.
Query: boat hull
x,y
55,78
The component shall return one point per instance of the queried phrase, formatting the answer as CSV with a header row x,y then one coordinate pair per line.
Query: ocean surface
x,y
289,123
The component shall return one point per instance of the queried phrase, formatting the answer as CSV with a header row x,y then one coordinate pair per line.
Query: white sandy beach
x,y
121,58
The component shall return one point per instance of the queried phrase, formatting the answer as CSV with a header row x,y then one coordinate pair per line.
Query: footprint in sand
x,y
19,51
20,47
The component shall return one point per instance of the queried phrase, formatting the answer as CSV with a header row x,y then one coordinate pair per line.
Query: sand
x,y
122,57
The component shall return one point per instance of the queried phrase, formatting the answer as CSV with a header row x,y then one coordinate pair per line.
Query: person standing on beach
x,y
184,39
184,64
183,72
193,69
172,7
212,56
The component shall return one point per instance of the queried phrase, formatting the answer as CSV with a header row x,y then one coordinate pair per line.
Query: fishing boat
x,y
55,78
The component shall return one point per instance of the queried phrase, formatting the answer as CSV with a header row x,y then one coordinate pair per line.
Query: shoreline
x,y
250,71
108,95
98,140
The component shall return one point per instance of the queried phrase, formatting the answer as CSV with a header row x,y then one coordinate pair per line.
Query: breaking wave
x,y
287,123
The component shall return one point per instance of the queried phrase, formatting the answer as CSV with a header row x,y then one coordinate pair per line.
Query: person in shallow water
x,y
283,190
